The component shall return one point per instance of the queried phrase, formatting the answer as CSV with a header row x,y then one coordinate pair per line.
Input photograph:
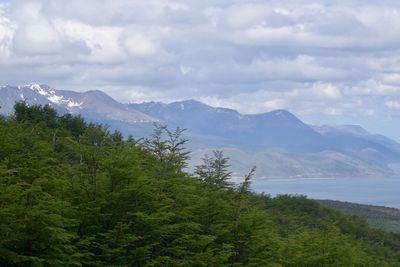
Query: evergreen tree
x,y
214,171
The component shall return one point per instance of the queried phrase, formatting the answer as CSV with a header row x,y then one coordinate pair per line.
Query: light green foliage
x,y
75,194
383,218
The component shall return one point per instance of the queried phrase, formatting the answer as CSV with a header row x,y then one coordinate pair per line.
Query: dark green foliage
x,y
35,114
74,194
74,124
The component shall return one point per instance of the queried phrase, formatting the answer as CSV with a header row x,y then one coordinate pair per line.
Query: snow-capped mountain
x,y
52,95
93,105
278,142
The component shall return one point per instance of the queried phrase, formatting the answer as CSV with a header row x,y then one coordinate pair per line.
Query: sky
x,y
328,62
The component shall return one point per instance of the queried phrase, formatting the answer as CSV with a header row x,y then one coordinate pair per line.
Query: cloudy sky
x,y
325,61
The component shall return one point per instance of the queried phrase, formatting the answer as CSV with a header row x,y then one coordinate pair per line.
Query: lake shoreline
x,y
378,191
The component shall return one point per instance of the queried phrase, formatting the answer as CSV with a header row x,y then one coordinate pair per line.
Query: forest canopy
x,y
76,194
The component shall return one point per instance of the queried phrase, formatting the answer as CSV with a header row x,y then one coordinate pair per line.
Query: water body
x,y
373,191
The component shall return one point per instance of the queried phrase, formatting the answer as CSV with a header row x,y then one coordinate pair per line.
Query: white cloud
x,y
369,112
274,104
327,91
185,69
338,58
374,88
36,39
140,46
6,33
393,104
101,41
333,111
391,78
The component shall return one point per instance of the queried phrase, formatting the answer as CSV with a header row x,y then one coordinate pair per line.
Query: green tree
x,y
214,171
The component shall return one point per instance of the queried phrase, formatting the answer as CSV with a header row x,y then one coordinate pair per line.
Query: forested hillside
x,y
75,194
384,218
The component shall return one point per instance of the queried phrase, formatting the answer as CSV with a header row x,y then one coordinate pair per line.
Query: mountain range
x,y
277,142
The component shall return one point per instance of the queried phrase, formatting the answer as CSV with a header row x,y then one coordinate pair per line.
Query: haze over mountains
x,y
277,142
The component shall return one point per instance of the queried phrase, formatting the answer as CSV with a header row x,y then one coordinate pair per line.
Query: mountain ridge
x,y
277,141
91,104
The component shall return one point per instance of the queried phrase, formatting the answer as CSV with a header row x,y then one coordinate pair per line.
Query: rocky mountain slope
x,y
277,142
93,105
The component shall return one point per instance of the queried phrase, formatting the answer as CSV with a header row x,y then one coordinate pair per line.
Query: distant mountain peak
x,y
34,87
281,113
95,104
52,95
189,103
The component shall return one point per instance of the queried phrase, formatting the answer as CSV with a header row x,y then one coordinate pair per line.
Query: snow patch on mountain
x,y
34,87
51,95
55,99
